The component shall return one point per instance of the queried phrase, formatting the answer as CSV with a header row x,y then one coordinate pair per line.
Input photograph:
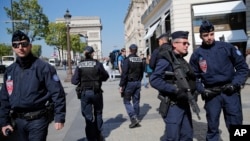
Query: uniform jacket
x,y
27,90
218,64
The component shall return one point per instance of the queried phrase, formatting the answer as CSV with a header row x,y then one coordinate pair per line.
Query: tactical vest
x,y
135,68
89,74
190,76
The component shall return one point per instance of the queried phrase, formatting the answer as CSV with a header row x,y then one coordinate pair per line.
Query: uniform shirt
x,y
76,78
27,90
217,64
126,69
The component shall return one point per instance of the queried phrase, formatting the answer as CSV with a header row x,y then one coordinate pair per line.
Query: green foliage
x,y
36,50
56,35
5,50
30,17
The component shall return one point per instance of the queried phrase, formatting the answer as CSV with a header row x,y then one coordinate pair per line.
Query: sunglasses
x,y
23,44
184,43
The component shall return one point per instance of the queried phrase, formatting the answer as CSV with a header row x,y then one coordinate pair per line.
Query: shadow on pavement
x,y
200,130
144,110
116,122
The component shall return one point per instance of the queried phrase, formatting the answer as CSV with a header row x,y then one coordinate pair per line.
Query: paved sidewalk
x,y
116,121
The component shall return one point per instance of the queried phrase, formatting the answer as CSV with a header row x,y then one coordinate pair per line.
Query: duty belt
x,y
133,79
32,115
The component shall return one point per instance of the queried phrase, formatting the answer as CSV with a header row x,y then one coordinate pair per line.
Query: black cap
x,y
206,26
89,49
163,35
19,36
179,34
133,46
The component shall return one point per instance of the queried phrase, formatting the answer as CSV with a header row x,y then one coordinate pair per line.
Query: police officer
x,y
130,84
163,42
221,71
89,75
177,115
30,87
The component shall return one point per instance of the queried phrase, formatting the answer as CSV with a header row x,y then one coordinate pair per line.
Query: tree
x,y
36,50
57,36
5,50
33,22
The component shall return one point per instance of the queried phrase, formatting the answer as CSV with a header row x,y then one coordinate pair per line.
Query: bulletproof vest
x,y
190,76
89,74
135,68
187,70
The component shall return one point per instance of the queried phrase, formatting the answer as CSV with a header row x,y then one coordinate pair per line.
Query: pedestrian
x,y
64,62
221,70
89,75
130,85
176,112
248,60
163,41
30,91
144,79
121,58
148,70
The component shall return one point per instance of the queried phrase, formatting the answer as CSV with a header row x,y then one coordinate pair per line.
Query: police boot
x,y
134,122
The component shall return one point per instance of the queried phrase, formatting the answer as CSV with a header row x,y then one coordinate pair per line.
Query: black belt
x,y
32,115
133,79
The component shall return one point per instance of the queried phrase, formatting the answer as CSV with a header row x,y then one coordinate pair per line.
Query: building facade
x,y
134,29
230,18
89,29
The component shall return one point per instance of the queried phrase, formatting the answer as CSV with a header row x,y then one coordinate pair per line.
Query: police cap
x,y
163,35
89,49
206,26
133,46
179,34
19,36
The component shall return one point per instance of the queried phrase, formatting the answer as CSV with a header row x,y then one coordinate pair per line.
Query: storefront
x,y
167,16
229,21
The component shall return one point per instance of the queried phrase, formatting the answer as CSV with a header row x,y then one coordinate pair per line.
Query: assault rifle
x,y
181,80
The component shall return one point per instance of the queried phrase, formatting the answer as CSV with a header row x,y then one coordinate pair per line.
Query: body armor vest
x,y
89,74
135,68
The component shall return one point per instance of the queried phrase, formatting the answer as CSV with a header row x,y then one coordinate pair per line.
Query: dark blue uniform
x,y
91,98
132,74
216,66
26,90
178,119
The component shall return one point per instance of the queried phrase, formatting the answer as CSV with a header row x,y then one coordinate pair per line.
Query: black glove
x,y
229,89
208,94
181,95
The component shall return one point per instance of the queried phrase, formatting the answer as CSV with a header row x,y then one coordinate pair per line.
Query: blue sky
x,y
111,12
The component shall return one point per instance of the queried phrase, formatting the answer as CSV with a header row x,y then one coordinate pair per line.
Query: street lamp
x,y
67,18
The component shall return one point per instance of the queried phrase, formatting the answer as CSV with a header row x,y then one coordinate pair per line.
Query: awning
x,y
219,8
151,30
231,36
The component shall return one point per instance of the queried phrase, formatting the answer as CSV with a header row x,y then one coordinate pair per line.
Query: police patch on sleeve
x,y
238,52
55,77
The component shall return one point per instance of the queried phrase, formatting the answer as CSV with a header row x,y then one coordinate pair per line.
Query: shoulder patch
x,y
55,77
238,52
